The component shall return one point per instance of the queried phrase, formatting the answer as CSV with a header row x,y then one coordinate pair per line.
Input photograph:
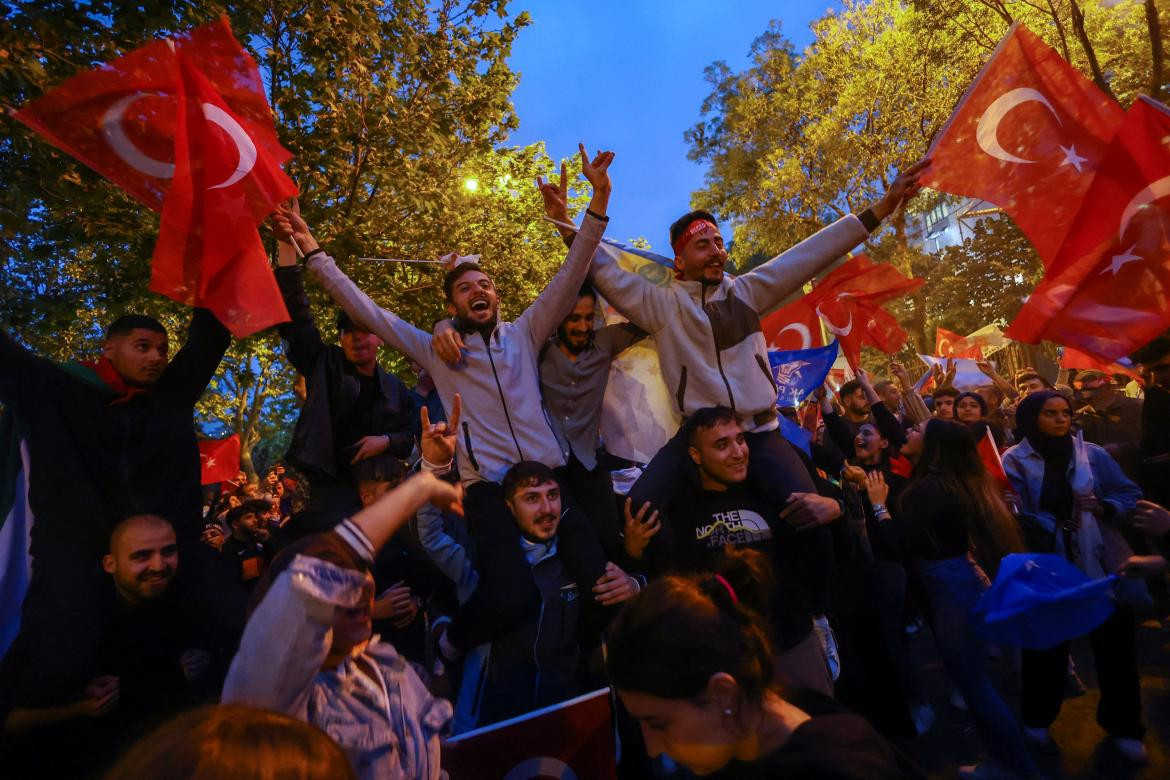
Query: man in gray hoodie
x,y
706,326
503,421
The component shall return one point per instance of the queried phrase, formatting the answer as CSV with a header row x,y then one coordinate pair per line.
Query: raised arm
x,y
389,327
304,340
912,403
23,374
765,287
886,423
556,301
1007,388
188,375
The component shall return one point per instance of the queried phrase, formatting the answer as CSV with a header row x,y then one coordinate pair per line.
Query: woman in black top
x,y
692,663
953,515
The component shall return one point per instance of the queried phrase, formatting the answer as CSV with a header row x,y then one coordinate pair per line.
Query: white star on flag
x,y
208,460
1120,260
1072,158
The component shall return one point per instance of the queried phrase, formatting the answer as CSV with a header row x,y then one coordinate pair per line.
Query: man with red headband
x,y
706,326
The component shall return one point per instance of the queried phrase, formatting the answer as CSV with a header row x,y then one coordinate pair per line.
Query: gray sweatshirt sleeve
x,y
389,327
557,300
765,287
639,300
448,554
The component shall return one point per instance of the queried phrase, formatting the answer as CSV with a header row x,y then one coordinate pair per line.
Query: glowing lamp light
x,y
471,185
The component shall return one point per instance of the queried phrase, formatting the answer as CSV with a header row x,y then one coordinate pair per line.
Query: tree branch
x,y
1078,22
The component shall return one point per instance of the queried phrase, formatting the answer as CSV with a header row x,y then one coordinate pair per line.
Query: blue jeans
x,y
954,586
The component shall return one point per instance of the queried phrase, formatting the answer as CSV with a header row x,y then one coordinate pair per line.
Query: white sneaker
x,y
828,642
1037,737
1132,750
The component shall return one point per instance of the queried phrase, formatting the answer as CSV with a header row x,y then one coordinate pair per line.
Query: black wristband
x,y
869,220
595,215
311,252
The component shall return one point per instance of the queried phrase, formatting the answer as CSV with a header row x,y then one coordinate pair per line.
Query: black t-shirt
x,y
834,744
358,423
703,522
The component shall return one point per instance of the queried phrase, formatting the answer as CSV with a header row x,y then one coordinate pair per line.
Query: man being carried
x,y
707,329
497,377
105,440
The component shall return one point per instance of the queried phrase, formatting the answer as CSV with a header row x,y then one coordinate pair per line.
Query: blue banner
x,y
799,372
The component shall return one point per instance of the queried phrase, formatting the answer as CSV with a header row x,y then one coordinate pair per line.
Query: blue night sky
x,y
628,76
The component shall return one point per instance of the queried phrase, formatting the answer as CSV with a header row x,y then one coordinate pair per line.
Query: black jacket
x,y
333,386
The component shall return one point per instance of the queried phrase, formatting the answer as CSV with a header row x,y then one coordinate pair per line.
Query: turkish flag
x,y
989,454
1027,136
1074,359
122,120
849,301
950,344
219,459
571,739
1108,292
208,251
792,327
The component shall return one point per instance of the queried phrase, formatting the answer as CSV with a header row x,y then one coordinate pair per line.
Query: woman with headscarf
x,y
1071,493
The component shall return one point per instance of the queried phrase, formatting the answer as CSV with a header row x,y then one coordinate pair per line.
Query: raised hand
x,y
1151,518
876,487
437,442
904,187
596,171
555,196
289,227
639,529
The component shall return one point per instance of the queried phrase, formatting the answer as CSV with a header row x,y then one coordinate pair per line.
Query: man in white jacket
x,y
706,326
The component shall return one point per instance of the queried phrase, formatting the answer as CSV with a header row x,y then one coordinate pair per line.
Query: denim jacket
x,y
1090,469
373,704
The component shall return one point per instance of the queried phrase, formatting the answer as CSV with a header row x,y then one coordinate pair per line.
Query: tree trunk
x,y
1078,22
1157,53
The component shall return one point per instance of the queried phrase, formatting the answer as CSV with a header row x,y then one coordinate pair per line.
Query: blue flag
x,y
799,372
796,435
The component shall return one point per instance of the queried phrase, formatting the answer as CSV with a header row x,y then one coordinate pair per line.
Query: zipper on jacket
x,y
682,391
499,388
718,356
536,653
767,372
467,442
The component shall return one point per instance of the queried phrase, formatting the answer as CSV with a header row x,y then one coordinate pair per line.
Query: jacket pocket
x,y
682,390
467,443
763,364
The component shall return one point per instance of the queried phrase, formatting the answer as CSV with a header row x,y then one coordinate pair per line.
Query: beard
x,y
574,347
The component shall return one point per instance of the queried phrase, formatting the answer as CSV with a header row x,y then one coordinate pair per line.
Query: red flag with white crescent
x,y
1108,291
792,327
1027,136
219,459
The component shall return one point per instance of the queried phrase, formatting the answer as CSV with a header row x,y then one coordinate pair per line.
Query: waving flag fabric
x,y
849,301
1106,292
219,459
187,118
1027,136
795,326
799,372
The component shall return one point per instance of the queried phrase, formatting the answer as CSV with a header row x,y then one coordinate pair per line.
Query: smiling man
x,y
706,326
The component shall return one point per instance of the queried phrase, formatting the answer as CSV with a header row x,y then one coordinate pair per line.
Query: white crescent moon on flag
x,y
116,137
1157,190
802,330
943,350
845,331
239,136
988,127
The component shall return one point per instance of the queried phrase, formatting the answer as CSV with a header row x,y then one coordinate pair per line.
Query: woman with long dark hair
x,y
1071,494
691,661
957,525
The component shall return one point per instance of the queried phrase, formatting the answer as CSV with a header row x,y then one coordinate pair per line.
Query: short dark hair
x,y
705,418
882,384
253,506
983,408
453,275
587,291
680,225
849,388
380,468
344,322
526,473
128,322
946,391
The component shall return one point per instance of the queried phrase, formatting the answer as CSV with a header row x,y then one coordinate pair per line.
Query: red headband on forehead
x,y
693,229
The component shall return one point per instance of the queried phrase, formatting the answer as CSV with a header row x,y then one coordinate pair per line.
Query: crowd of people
x,y
424,561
